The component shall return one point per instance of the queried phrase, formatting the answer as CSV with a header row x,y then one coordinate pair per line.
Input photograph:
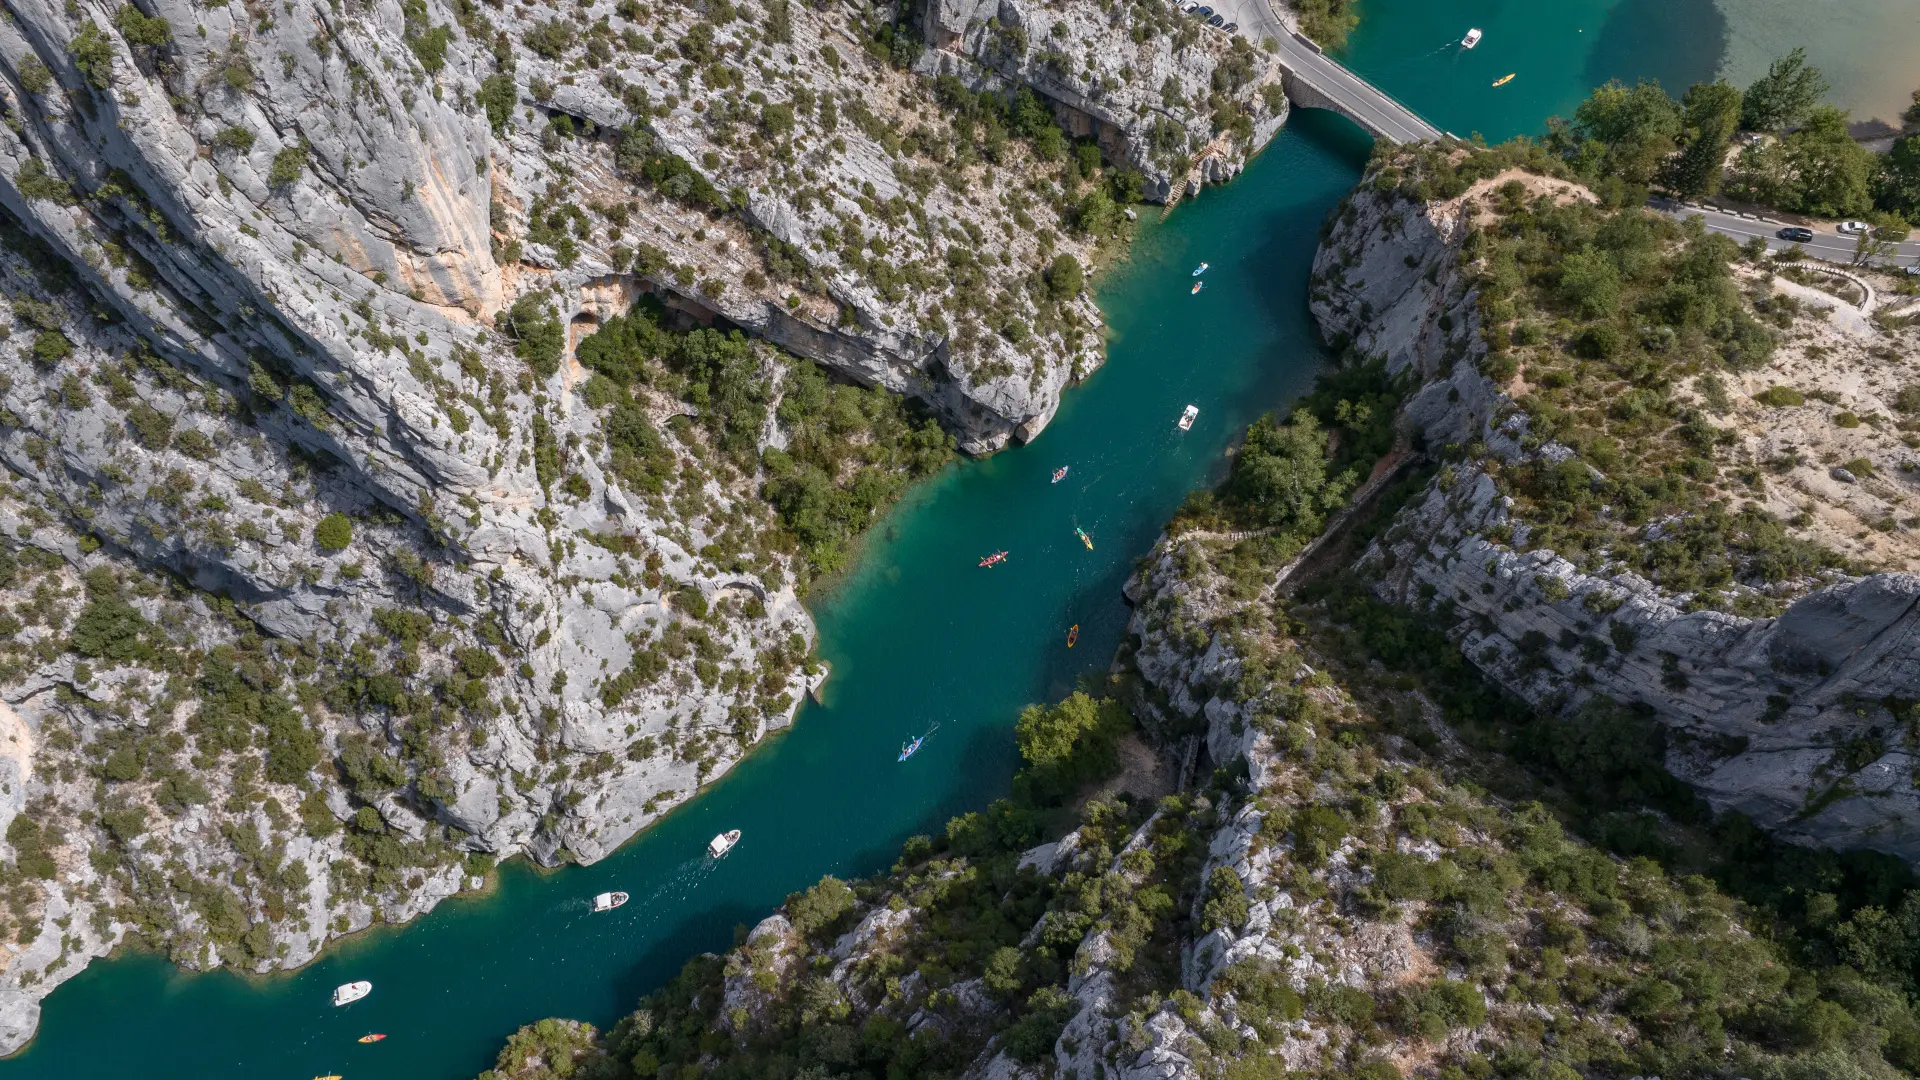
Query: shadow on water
x,y
1679,42
709,930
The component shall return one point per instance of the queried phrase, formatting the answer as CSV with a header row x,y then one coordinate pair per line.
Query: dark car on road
x,y
1233,28
1797,234
1203,12
1217,20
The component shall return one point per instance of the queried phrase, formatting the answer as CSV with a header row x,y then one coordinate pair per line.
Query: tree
x,y
334,532
1279,478
93,55
1896,185
1832,173
1065,278
140,29
539,338
288,166
1711,116
1067,746
820,906
1625,132
549,1050
1784,96
1048,735
497,95
1590,281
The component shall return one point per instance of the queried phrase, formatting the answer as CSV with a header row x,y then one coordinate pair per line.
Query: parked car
x,y
1233,28
1203,11
1217,20
1854,228
1190,8
1913,271
1796,234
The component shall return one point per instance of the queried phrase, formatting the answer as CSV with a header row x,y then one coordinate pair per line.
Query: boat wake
x,y
639,909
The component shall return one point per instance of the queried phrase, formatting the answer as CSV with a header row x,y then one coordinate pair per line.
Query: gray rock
x,y
1760,708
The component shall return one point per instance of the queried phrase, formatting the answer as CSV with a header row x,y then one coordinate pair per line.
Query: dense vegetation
x,y
1804,961
1612,328
850,452
1801,157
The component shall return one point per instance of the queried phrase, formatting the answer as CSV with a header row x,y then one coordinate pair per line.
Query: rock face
x,y
870,238
1783,719
1182,103
263,416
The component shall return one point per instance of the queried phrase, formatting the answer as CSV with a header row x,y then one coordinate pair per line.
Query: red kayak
x,y
371,1038
994,559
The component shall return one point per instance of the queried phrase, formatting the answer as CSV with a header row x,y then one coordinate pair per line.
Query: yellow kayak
x,y
1503,80
333,1076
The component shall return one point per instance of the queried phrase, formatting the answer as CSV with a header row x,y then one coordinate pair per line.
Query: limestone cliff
x,y
335,579
1786,718
1180,101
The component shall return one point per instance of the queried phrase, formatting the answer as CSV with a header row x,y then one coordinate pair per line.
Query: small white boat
x,y
723,843
1201,269
1472,38
348,993
1187,417
607,901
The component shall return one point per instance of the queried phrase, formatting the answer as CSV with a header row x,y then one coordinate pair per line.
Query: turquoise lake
x,y
917,634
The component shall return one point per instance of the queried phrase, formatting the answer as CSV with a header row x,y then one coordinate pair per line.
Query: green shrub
x,y
821,907
235,137
93,55
539,339
50,347
1065,278
497,95
34,76
1226,901
334,532
35,182
289,165
550,39
1780,397
142,30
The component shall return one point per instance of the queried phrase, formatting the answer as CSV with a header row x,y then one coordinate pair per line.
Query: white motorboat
x,y
723,843
348,993
1472,38
607,901
1187,417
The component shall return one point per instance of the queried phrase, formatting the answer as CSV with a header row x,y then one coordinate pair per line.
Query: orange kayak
x,y
371,1038
1073,635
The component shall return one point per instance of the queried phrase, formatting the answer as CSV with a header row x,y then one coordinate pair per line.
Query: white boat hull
x,y
723,843
607,901
348,993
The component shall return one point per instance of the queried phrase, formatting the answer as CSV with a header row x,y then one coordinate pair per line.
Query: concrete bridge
x,y
1314,81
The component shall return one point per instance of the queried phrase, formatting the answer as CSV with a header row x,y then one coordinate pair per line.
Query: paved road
x,y
1827,244
1360,100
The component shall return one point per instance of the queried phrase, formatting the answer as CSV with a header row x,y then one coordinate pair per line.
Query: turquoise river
x,y
917,634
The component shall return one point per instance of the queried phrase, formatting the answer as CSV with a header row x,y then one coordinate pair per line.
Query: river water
x,y
918,635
